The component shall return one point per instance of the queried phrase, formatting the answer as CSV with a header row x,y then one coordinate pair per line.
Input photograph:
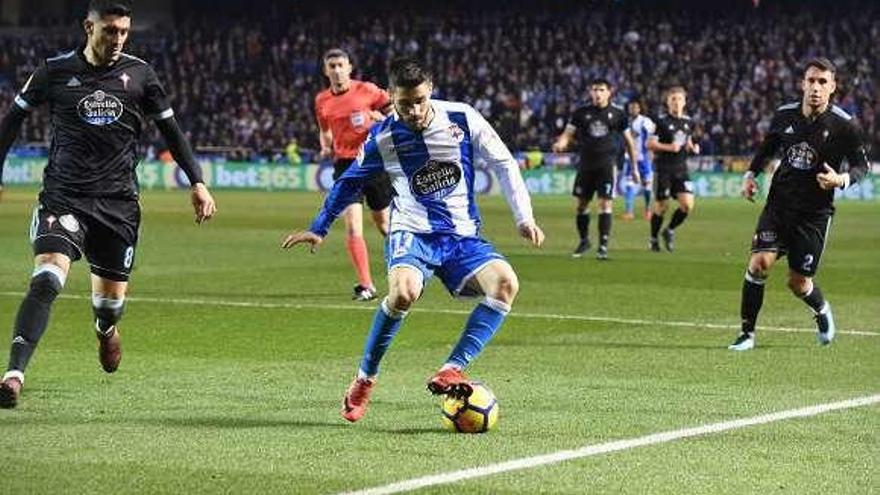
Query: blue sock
x,y
386,323
484,321
629,197
646,192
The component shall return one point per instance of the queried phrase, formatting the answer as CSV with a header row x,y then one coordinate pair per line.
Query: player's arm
x,y
489,146
381,105
155,104
564,140
34,93
344,192
856,157
766,151
655,145
325,134
692,147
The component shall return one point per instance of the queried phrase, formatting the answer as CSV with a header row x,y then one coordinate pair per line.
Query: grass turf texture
x,y
217,399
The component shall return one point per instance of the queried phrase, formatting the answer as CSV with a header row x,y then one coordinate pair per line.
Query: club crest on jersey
x,y
455,131
435,179
100,108
598,129
801,156
69,223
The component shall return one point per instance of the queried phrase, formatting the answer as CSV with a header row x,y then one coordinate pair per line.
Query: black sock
x,y
604,228
656,222
677,218
32,318
814,299
583,225
752,300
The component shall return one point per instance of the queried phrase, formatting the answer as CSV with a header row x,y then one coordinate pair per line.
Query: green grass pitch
x,y
218,398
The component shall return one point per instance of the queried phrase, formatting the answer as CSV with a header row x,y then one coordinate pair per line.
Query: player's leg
x,y
661,198
582,193
47,280
630,189
57,242
647,174
685,206
474,269
356,247
407,273
752,298
606,203
805,253
768,244
108,304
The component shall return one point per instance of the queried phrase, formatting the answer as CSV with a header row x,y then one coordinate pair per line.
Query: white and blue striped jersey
x,y
432,173
642,128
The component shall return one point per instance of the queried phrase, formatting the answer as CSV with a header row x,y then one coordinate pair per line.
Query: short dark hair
x,y
676,88
335,53
407,72
601,81
821,63
121,8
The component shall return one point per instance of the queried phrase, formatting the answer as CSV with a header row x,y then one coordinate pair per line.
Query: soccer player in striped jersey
x,y
641,127
430,147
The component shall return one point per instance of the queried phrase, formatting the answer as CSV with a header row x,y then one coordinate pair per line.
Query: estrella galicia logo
x,y
435,179
100,108
801,156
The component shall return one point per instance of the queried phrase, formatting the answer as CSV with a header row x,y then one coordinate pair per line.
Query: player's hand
x,y
557,147
749,187
676,147
829,179
532,233
636,177
300,237
203,203
694,148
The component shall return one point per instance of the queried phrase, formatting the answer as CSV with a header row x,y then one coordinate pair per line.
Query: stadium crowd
x,y
250,84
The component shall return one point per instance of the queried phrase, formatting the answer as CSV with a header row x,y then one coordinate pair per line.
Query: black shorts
x,y
798,235
672,184
377,190
598,181
103,230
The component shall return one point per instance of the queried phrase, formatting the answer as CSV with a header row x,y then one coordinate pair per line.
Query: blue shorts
x,y
645,169
453,258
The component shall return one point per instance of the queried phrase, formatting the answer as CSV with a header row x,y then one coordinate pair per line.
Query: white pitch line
x,y
613,446
537,316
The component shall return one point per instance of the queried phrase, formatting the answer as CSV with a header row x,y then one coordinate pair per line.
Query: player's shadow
x,y
232,423
642,345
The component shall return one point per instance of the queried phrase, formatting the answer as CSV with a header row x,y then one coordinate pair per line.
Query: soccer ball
x,y
475,414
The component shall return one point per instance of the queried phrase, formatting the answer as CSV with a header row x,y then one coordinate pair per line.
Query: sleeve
x,y
35,91
323,124
180,149
662,133
767,148
489,146
856,156
576,121
650,126
155,101
622,121
380,98
350,184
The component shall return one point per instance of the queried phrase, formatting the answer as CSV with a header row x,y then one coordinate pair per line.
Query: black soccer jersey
x,y
673,130
597,130
804,146
97,115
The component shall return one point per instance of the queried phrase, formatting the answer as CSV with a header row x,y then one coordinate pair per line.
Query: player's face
x,y
338,70
818,86
675,103
413,105
600,94
634,108
106,36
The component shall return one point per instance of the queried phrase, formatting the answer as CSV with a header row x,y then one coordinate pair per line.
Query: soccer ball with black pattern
x,y
475,414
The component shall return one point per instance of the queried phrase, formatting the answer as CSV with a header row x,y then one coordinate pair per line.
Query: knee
x,y
403,294
506,288
108,311
759,268
798,284
47,281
